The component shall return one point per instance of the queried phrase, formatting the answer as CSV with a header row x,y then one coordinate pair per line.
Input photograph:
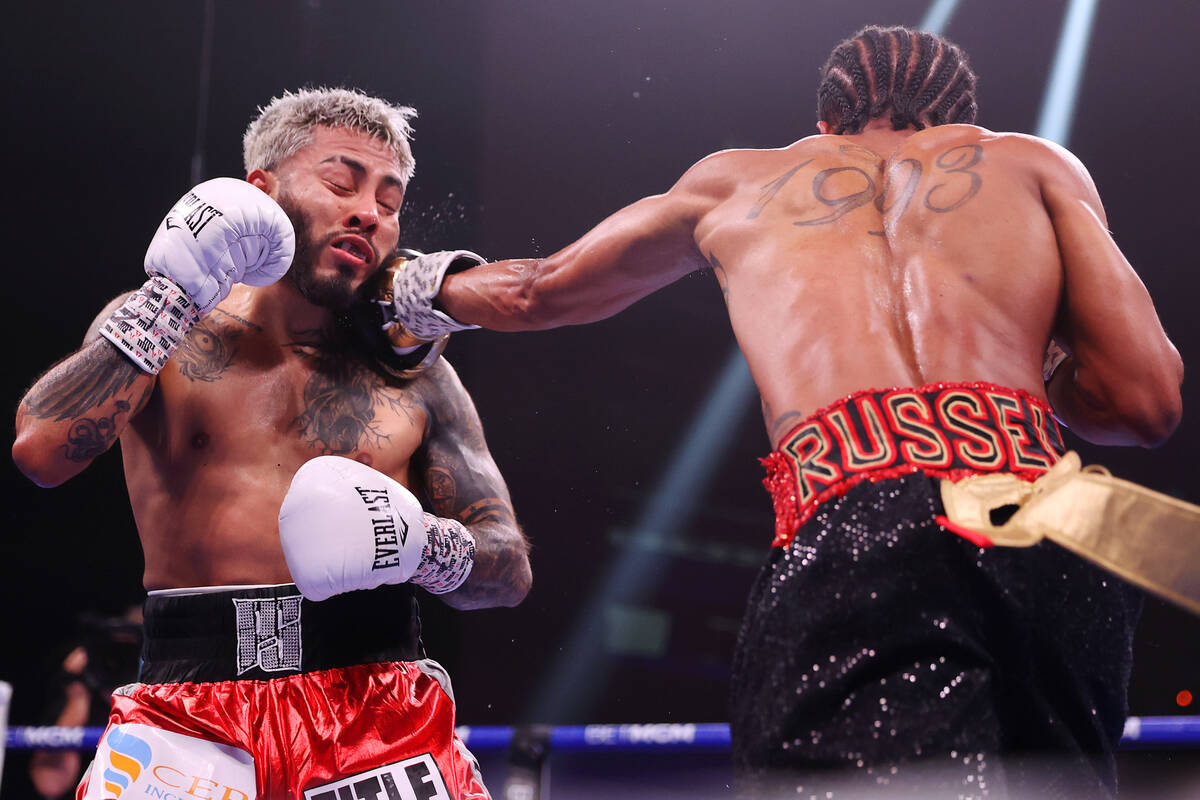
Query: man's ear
x,y
823,127
264,180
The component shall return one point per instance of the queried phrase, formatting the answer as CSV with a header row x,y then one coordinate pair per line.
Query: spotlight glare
x,y
1062,90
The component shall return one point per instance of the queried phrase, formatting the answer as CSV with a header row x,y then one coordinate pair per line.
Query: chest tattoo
x,y
346,405
209,348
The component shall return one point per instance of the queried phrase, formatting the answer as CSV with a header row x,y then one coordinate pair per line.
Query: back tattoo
x,y
957,183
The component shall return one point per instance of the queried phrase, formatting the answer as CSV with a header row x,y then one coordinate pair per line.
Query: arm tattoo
x,y
459,472
341,396
442,490
88,438
93,376
463,482
489,509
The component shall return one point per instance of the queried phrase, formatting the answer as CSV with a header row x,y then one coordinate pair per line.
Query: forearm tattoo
x,y
463,483
89,437
82,383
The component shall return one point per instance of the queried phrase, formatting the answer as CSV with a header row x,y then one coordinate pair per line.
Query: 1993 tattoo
x,y
958,183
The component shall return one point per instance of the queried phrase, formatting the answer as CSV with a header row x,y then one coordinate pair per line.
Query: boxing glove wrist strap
x,y
415,287
447,558
150,325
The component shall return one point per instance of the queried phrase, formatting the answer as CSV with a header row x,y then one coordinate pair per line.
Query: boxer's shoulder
x,y
720,173
215,344
1011,149
442,395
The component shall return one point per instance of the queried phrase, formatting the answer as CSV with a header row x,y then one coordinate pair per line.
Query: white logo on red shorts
x,y
412,779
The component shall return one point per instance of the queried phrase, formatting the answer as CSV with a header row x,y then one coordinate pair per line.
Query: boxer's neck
x,y
281,310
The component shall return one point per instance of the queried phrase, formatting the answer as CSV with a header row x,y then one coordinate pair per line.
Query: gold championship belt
x,y
393,348
1143,536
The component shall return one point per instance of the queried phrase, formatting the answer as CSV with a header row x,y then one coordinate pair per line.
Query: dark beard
x,y
336,293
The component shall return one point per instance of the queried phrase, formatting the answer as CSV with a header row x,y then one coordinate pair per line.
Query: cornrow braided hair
x,y
916,78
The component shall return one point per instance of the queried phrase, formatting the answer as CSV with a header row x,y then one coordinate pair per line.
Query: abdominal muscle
x,y
218,528
209,516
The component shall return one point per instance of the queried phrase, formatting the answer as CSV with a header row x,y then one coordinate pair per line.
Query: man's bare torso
x,y
884,259
232,418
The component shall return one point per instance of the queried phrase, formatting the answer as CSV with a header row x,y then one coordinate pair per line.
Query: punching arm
x,y
639,249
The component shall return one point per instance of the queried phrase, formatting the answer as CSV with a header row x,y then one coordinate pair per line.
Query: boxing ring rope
x,y
1140,733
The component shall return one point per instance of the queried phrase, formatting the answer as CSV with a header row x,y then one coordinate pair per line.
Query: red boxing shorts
x,y
254,705
947,430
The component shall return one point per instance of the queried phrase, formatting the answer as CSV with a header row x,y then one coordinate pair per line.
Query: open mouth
x,y
359,251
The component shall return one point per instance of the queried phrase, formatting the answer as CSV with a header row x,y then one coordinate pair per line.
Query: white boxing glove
x,y
345,527
224,231
418,282
221,232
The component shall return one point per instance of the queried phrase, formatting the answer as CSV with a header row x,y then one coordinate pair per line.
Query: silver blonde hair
x,y
285,125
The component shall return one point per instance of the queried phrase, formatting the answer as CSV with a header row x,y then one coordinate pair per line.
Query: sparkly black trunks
x,y
882,655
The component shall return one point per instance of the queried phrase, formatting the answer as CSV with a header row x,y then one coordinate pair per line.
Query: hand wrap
x,y
373,325
150,325
417,284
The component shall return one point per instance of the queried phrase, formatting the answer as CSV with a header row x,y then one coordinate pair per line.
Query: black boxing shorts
x,y
882,655
256,692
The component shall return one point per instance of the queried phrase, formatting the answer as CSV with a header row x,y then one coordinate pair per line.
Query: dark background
x,y
538,118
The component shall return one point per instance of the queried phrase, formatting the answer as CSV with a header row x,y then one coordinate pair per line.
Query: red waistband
x,y
948,430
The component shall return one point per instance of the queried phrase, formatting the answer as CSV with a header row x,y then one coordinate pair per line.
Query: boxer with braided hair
x,y
894,284
919,78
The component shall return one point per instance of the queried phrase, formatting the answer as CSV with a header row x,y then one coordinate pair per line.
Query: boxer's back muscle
x,y
852,262
234,416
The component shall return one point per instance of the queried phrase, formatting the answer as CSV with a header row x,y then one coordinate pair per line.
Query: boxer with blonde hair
x,y
276,463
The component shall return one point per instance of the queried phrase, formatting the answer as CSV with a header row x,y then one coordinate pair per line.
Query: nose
x,y
366,220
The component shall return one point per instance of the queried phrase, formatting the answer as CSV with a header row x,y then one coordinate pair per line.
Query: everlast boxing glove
x,y
224,231
345,526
